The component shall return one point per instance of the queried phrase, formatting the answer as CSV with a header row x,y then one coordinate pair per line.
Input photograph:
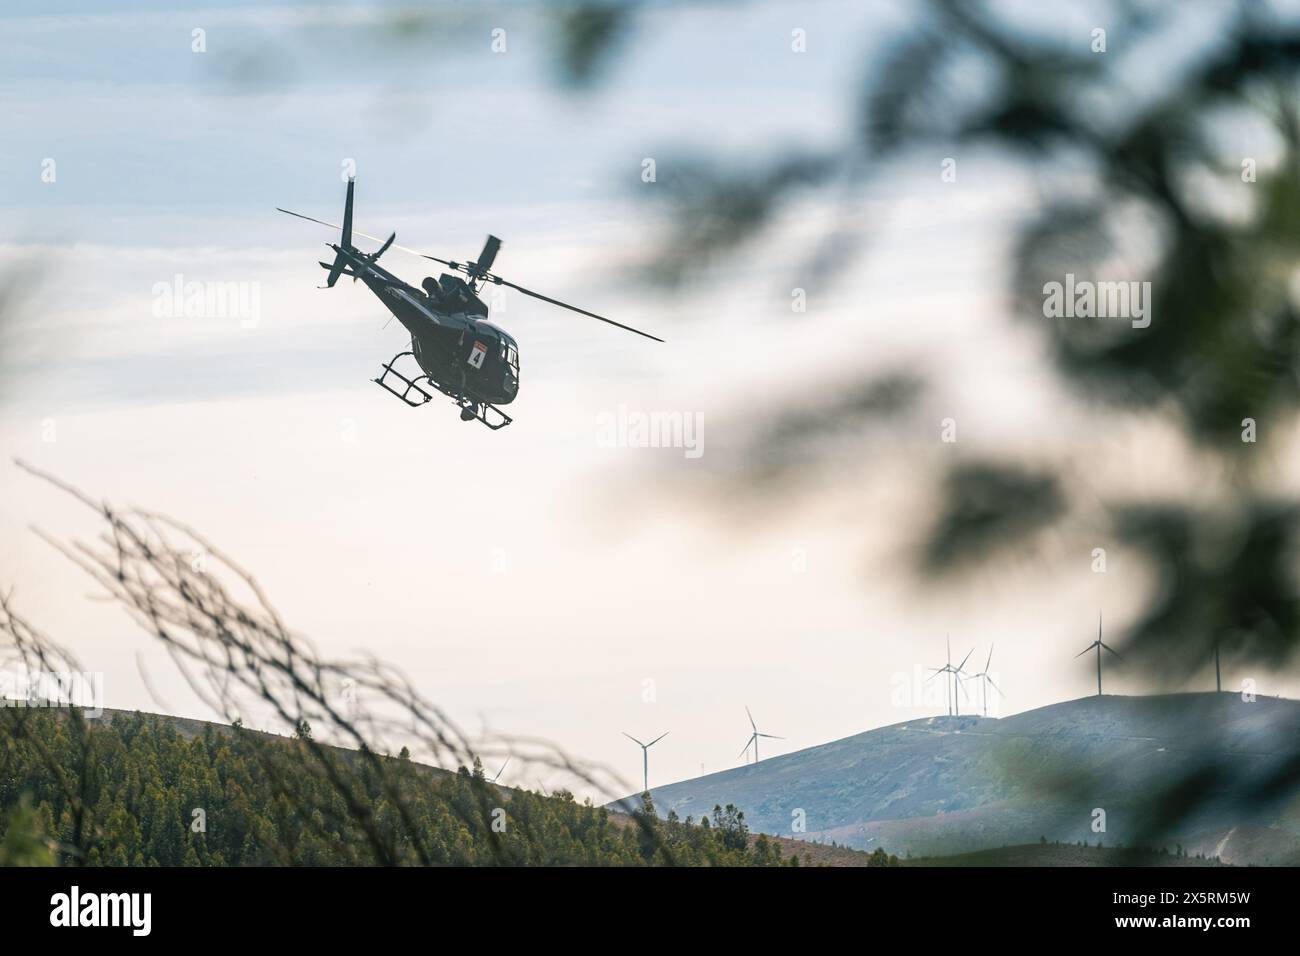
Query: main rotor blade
x,y
488,255
572,308
659,738
479,271
322,222
366,235
414,252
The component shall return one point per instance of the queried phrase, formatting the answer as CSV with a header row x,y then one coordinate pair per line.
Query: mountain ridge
x,y
946,785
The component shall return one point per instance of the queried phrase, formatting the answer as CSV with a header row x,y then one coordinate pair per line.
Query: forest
x,y
134,791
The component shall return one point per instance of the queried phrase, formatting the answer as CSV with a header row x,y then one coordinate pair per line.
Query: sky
x,y
539,580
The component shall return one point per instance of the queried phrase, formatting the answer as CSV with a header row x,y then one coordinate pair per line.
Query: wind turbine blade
x,y
771,736
995,686
990,660
501,771
937,672
745,750
659,738
752,725
965,659
1112,650
630,737
1085,650
948,638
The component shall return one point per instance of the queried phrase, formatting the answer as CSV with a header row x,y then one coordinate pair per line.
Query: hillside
x,y
132,789
951,785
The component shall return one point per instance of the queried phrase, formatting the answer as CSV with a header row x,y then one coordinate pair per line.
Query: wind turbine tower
x,y
1098,645
645,757
985,680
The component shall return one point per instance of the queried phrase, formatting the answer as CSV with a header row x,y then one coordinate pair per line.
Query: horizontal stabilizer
x,y
341,261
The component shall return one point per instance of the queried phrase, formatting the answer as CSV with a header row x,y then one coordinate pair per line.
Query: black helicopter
x,y
459,352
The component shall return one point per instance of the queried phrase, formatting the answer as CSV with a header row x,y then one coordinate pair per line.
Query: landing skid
x,y
415,395
486,412
409,385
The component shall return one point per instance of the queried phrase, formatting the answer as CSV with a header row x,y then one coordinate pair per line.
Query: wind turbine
x,y
954,679
645,757
957,675
1098,645
945,669
985,680
753,738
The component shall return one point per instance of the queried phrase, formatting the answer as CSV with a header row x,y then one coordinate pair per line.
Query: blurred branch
x,y
239,656
989,508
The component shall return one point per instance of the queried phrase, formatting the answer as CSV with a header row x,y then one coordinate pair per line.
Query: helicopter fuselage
x,y
461,352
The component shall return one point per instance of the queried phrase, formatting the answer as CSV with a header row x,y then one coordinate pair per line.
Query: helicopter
x,y
459,353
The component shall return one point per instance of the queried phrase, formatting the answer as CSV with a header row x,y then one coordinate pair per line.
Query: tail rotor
x,y
346,254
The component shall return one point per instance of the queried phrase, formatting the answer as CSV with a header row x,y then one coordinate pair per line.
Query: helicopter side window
x,y
512,356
